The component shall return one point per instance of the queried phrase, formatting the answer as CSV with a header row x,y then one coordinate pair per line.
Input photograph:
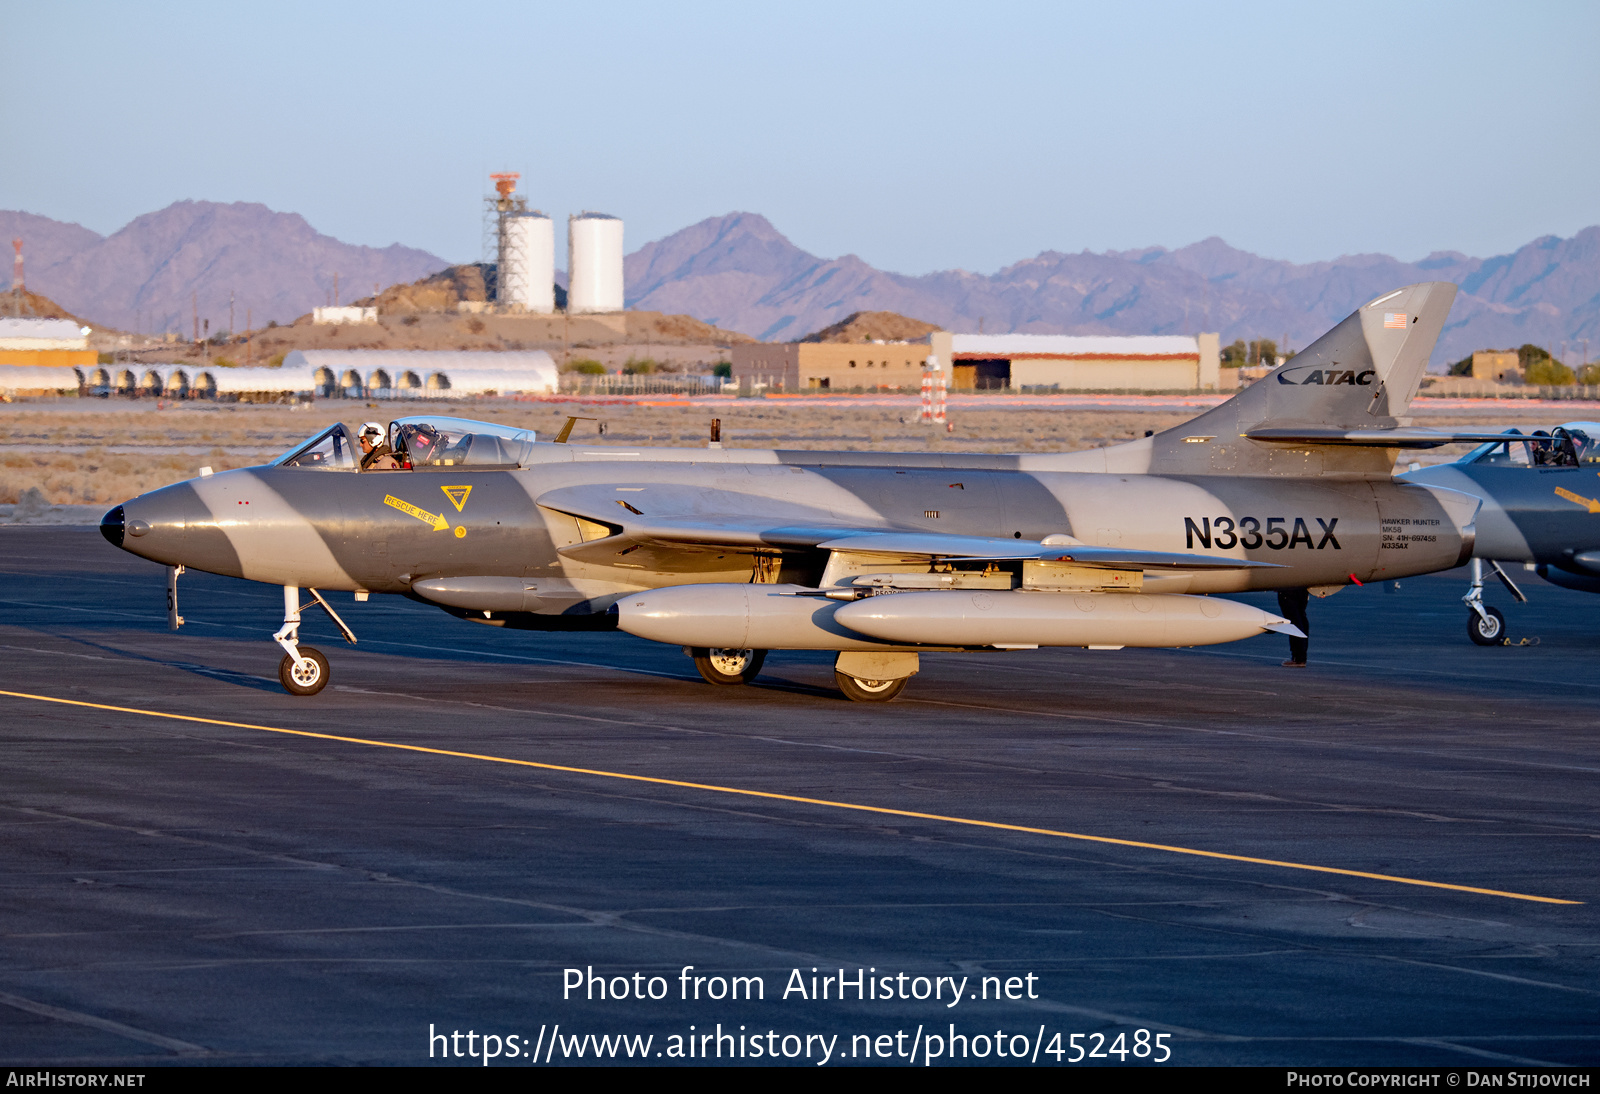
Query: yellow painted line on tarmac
x,y
771,795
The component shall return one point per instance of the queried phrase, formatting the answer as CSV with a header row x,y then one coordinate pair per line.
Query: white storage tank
x,y
594,263
527,258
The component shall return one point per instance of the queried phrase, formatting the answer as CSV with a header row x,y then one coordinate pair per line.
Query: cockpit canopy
x,y
419,442
1575,444
433,441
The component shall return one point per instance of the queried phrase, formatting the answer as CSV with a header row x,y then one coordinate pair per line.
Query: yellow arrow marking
x,y
457,495
438,522
1589,503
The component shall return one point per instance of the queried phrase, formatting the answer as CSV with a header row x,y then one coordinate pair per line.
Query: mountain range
x,y
740,273
162,269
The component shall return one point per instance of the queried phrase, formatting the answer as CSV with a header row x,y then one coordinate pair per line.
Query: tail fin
x,y
1359,375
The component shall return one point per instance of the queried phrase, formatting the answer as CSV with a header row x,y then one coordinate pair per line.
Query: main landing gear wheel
x,y
307,677
1487,632
870,691
728,667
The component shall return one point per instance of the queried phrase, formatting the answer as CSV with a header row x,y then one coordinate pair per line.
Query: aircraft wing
x,y
669,527
1403,437
974,548
658,533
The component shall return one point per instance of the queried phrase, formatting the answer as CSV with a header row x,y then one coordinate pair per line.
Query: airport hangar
x,y
386,374
48,343
43,356
989,362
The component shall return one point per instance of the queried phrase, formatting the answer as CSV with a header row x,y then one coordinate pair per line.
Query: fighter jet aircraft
x,y
1541,506
879,557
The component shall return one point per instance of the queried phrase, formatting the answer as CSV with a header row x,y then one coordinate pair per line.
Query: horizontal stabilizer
x,y
1399,437
1339,397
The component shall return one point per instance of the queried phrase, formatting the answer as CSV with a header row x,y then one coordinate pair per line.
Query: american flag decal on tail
x,y
1394,320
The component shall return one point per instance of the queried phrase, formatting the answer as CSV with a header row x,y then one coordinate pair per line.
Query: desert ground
x,y
99,452
673,343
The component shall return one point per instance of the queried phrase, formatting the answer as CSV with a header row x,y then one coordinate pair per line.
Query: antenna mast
x,y
505,200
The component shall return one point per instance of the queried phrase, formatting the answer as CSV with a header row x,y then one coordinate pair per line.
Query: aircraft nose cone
x,y
172,526
152,525
113,526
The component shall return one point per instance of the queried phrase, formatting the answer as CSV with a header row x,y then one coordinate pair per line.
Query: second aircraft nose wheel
x,y
305,677
1490,631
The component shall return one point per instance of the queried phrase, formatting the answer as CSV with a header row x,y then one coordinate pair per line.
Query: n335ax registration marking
x,y
1273,533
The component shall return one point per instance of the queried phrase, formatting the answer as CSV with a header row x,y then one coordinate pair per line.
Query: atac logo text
x,y
1326,377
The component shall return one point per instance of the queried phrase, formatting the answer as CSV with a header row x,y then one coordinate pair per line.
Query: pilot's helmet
x,y
371,432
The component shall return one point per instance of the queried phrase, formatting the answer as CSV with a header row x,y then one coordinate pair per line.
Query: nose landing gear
x,y
303,670
306,676
1487,626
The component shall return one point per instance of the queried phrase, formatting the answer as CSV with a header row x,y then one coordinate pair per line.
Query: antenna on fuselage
x,y
566,430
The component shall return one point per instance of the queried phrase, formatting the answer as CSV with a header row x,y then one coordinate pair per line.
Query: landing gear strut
x,y
303,670
1486,626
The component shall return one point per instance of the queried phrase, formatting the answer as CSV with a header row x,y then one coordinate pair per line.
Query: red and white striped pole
x,y
938,397
928,368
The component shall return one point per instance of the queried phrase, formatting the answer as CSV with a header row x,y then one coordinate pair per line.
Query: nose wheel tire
x,y
308,676
1487,632
729,667
870,691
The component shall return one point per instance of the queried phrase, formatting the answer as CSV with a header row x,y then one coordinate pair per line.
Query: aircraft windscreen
x,y
1509,453
430,441
330,450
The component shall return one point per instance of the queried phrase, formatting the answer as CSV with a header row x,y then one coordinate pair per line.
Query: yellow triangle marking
x,y
457,495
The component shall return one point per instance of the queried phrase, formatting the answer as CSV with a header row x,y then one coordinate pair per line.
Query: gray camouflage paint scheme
x,y
1524,519
557,527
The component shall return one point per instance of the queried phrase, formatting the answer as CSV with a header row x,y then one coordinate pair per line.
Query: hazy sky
x,y
919,136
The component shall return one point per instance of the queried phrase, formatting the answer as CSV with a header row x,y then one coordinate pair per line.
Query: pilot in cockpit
x,y
376,455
